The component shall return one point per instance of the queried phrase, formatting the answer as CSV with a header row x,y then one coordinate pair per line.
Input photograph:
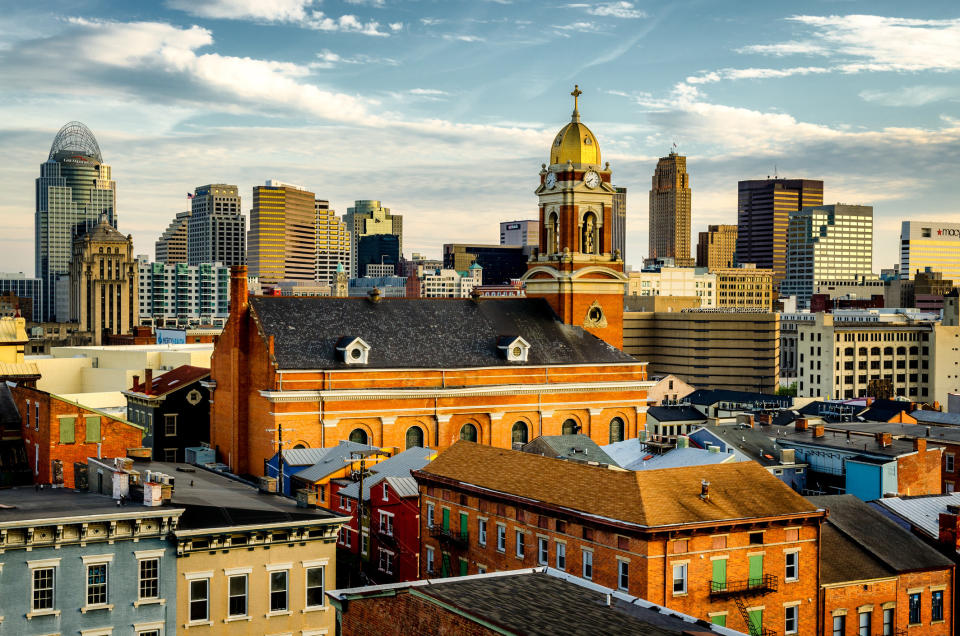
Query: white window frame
x,y
787,618
385,560
587,560
561,555
623,575
520,545
246,594
307,568
270,591
482,531
683,570
543,551
429,559
191,600
144,556
53,567
386,528
430,510
501,538
787,556
95,563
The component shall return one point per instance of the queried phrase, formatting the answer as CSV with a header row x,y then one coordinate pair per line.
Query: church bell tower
x,y
576,268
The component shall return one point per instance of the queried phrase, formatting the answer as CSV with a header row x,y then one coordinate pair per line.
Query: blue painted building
x,y
322,461
78,563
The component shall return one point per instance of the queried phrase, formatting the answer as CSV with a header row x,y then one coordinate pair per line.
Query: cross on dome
x,y
576,92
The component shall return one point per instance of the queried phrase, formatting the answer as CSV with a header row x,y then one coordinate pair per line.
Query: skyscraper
x,y
520,233
827,243
620,222
763,211
932,244
171,247
73,191
216,231
282,243
333,243
368,217
670,211
716,246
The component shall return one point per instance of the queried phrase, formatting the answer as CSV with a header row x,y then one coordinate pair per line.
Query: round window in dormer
x,y
355,353
517,352
595,314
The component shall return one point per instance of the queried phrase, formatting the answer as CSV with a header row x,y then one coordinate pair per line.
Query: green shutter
x,y
463,567
719,619
445,566
92,423
67,425
464,528
446,520
756,568
719,574
756,622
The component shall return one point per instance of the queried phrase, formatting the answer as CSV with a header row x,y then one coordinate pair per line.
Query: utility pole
x,y
279,432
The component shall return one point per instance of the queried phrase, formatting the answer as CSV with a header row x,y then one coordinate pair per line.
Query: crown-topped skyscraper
x,y
576,268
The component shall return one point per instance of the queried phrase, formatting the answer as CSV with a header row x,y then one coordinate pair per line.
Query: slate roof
x,y
675,414
649,498
936,417
423,332
333,459
399,465
570,447
887,542
842,560
171,381
9,415
541,602
922,511
706,397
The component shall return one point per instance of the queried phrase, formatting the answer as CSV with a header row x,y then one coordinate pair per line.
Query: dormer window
x,y
353,350
513,348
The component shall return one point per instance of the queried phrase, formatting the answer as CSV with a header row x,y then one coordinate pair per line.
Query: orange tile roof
x,y
652,498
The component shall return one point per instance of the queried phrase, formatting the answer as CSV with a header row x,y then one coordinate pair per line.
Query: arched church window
x,y
519,433
570,427
358,436
468,432
553,234
616,430
589,235
414,437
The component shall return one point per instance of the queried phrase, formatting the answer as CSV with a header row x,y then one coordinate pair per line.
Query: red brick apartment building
x,y
398,373
728,543
877,577
58,433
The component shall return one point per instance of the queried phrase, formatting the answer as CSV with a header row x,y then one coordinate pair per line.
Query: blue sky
x,y
444,110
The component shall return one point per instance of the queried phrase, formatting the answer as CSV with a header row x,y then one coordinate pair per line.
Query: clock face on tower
x,y
591,179
551,179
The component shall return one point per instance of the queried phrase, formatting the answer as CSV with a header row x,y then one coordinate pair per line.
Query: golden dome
x,y
575,142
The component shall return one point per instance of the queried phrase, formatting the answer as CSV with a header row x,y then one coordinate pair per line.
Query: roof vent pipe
x,y
704,489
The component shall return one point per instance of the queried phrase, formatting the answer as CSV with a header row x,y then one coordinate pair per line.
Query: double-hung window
x,y
149,579
279,582
199,600
864,623
543,550
386,523
915,608
679,578
43,581
501,538
792,567
588,565
429,515
623,575
315,583
519,535
790,619
840,625
96,584
237,595
561,556
482,531
170,424
429,559
936,605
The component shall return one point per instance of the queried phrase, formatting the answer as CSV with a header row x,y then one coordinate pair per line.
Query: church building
x,y
307,372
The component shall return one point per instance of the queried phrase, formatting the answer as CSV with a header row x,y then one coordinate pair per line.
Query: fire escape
x,y
746,589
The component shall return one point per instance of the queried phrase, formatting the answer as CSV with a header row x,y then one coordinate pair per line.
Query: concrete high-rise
x,y
171,247
932,244
368,217
763,211
103,282
620,222
282,242
827,242
217,230
520,233
333,243
73,192
717,246
670,211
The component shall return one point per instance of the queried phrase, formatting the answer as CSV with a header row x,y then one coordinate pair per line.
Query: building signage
x,y
948,231
513,226
171,336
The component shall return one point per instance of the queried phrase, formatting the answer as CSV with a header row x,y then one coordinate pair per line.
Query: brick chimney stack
x,y
950,527
147,381
920,445
239,294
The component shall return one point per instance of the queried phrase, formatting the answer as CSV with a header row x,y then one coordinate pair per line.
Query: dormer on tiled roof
x,y
353,350
513,348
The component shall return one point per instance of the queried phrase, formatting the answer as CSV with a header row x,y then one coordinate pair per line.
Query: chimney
x,y
801,424
713,449
147,381
949,524
818,430
704,489
884,439
683,441
920,445
136,382
374,295
239,295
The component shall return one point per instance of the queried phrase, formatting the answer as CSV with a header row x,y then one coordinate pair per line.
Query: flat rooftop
x,y
26,503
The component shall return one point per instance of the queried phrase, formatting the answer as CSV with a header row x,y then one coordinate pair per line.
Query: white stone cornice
x,y
440,393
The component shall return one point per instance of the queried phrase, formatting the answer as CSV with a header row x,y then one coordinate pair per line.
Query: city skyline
x,y
225,93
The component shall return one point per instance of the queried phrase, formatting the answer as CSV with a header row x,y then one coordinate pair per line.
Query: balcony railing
x,y
746,587
449,537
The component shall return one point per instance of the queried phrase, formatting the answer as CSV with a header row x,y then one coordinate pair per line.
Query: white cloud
x,y
754,73
580,27
431,21
396,26
616,10
784,48
300,12
911,95
327,59
462,38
